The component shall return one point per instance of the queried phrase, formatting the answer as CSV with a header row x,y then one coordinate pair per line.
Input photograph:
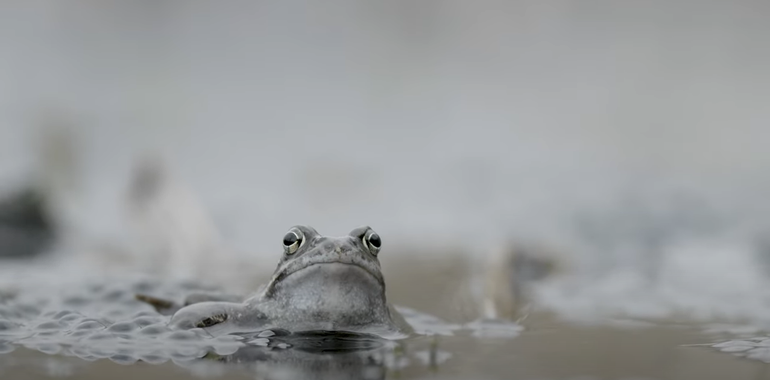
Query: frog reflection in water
x,y
321,283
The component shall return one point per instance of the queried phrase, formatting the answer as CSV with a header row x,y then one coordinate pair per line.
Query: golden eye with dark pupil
x,y
291,242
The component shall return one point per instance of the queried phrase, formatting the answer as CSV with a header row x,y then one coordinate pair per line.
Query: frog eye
x,y
292,241
372,242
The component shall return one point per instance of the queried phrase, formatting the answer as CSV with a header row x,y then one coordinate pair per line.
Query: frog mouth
x,y
303,266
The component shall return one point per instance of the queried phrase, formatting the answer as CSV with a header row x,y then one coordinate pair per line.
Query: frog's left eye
x,y
292,241
372,242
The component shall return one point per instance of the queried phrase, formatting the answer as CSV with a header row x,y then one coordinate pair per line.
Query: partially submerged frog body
x,y
321,283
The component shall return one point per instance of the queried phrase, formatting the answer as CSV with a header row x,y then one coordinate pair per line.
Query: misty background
x,y
632,136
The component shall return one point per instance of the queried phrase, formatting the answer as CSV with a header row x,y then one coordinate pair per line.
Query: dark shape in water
x,y
315,355
322,341
25,228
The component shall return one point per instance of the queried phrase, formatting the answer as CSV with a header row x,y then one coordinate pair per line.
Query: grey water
x,y
626,140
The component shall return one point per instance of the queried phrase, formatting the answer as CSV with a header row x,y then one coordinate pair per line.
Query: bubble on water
x,y
145,314
53,325
182,335
100,336
143,322
71,318
79,351
123,359
65,313
101,353
48,348
6,347
224,349
79,333
153,359
187,353
90,324
230,338
154,330
262,342
123,327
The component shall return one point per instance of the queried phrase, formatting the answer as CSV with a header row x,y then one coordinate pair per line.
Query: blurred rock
x,y
25,228
37,212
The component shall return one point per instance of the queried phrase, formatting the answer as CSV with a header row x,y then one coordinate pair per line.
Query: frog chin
x,y
337,287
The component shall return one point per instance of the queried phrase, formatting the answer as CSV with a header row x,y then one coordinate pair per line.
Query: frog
x,y
321,283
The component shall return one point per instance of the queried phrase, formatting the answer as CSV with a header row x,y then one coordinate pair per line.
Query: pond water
x,y
54,325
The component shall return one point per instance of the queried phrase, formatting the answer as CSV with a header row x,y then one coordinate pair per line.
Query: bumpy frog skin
x,y
321,283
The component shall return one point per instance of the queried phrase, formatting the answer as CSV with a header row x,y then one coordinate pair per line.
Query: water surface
x,y
85,327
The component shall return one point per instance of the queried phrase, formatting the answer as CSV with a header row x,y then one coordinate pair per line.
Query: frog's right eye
x,y
292,241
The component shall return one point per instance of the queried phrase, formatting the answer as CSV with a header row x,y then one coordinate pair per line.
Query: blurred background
x,y
631,138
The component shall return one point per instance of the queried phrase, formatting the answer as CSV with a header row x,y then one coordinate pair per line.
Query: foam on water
x,y
703,280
